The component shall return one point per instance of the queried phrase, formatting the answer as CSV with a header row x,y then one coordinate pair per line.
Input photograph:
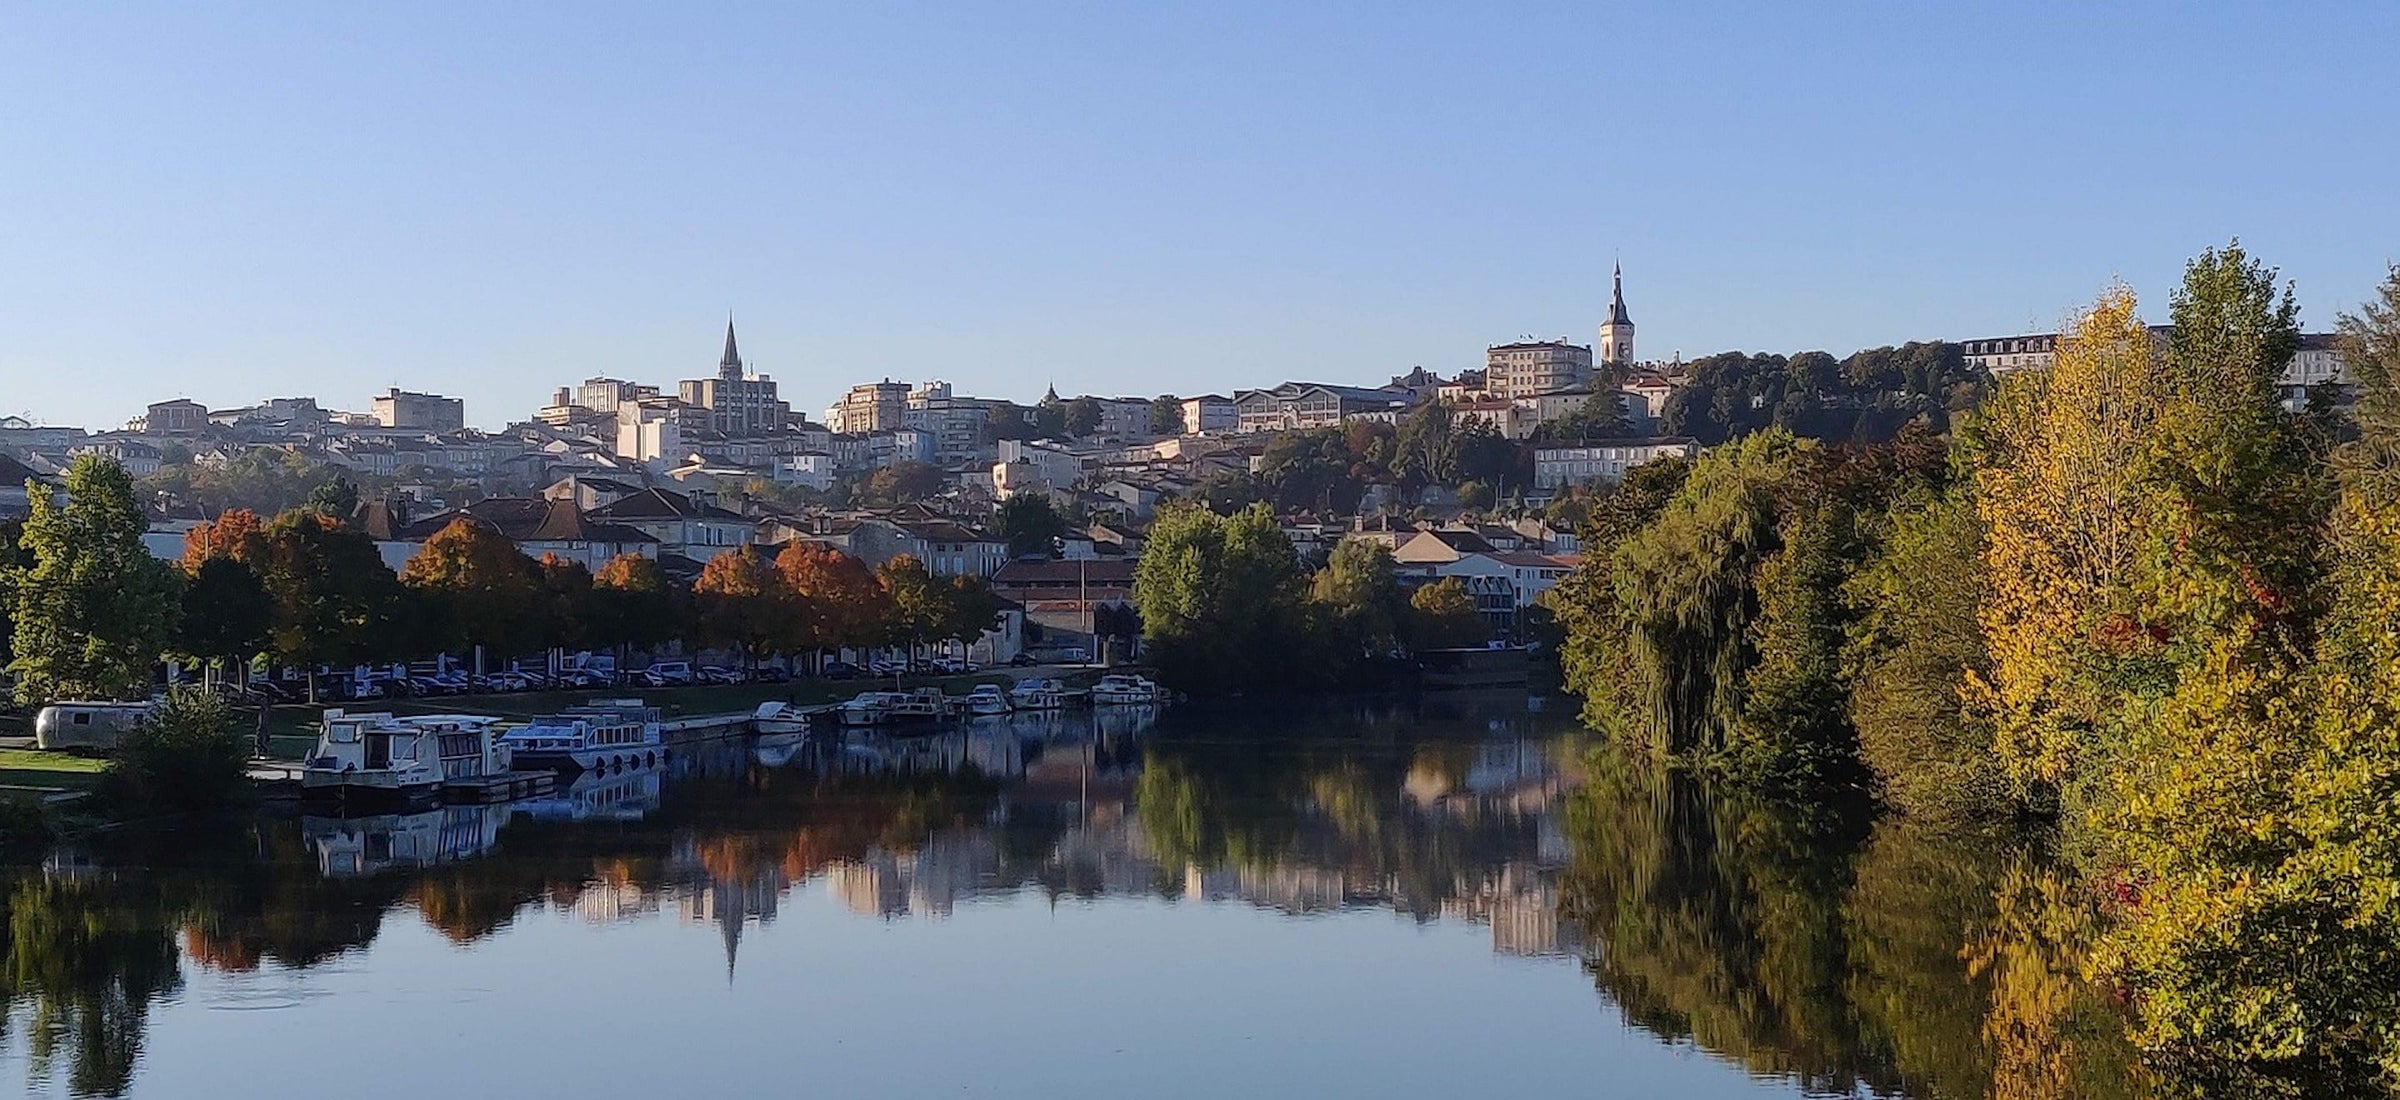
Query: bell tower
x,y
1616,333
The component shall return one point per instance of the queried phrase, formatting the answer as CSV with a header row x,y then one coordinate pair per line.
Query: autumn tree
x,y
844,604
742,603
480,585
226,613
2059,492
918,610
236,533
92,608
335,599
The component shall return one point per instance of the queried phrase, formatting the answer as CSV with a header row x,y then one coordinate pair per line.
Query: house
x,y
591,491
1208,413
1064,595
689,525
1527,574
1439,547
1297,405
1558,467
536,524
16,502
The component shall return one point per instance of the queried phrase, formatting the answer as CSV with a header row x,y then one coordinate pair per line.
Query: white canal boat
x,y
986,701
777,717
1125,690
376,761
610,735
1042,695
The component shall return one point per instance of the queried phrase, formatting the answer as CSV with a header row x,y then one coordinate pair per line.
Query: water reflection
x,y
1811,946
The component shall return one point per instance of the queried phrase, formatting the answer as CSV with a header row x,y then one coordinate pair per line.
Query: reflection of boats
x,y
1124,689
615,734
986,700
377,761
595,797
1041,695
369,845
774,750
776,716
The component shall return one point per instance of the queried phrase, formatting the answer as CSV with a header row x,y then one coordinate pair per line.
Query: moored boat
x,y
776,717
377,761
986,700
609,734
1119,689
1041,695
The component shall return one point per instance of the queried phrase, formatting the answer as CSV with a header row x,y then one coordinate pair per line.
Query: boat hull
x,y
368,793
618,758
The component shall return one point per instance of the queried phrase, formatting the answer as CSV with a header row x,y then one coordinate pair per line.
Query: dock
x,y
484,790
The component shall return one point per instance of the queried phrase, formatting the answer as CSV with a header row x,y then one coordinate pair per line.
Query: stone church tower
x,y
1616,333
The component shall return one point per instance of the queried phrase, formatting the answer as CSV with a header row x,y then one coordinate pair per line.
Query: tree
x,y
1166,415
236,534
633,604
743,603
184,757
563,615
842,603
336,496
970,609
1358,586
2058,492
335,599
1030,523
480,585
1445,616
1602,416
1083,416
1220,601
93,609
226,613
1914,641
919,610
904,482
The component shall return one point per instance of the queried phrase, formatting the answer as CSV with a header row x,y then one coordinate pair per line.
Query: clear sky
x,y
493,200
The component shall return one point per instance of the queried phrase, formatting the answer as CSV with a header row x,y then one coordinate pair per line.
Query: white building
x,y
1557,467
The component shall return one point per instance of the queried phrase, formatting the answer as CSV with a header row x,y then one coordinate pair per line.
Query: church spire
x,y
1616,297
730,367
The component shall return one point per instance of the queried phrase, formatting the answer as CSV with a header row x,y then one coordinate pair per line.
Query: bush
x,y
186,757
23,828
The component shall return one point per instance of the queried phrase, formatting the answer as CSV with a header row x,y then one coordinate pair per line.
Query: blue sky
x,y
496,200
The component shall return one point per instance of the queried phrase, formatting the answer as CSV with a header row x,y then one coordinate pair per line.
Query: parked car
x,y
885,666
769,674
1022,660
670,674
715,674
840,670
587,678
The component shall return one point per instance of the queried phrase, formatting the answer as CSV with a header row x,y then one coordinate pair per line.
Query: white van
x,y
86,727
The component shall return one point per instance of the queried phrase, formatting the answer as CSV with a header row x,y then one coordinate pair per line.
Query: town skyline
x,y
238,206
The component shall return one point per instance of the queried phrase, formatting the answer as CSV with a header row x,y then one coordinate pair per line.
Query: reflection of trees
x,y
1798,941
88,957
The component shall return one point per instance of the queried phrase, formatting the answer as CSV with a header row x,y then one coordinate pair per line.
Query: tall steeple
x,y
730,367
1616,333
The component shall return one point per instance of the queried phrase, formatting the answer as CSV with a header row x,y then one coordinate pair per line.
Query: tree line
x,y
1227,606
2131,601
91,612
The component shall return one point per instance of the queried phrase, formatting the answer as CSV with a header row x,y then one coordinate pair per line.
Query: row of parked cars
x,y
662,674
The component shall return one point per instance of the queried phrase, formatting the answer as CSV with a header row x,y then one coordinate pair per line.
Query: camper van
x,y
86,727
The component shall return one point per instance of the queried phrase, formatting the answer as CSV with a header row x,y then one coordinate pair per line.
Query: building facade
x,y
1526,369
430,412
1558,467
738,404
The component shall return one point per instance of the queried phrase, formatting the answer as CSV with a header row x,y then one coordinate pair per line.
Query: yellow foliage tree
x,y
2059,496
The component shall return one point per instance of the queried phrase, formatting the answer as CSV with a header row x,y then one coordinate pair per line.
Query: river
x,y
1346,899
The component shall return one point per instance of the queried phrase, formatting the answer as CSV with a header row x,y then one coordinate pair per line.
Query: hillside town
x,y
1475,476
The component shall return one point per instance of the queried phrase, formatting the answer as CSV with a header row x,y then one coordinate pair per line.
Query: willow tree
x,y
2059,494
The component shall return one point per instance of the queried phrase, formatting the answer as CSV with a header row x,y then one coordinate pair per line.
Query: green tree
x,y
1083,416
1359,588
1444,617
93,609
336,496
1911,647
184,757
918,610
1602,416
904,482
1220,601
633,603
1030,523
1166,415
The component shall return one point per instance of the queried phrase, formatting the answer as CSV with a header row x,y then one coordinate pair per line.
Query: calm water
x,y
1392,900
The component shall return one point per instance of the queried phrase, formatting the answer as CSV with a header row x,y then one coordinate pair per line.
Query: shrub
x,y
185,757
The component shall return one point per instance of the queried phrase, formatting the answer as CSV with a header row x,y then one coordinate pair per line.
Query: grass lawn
x,y
32,772
292,730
